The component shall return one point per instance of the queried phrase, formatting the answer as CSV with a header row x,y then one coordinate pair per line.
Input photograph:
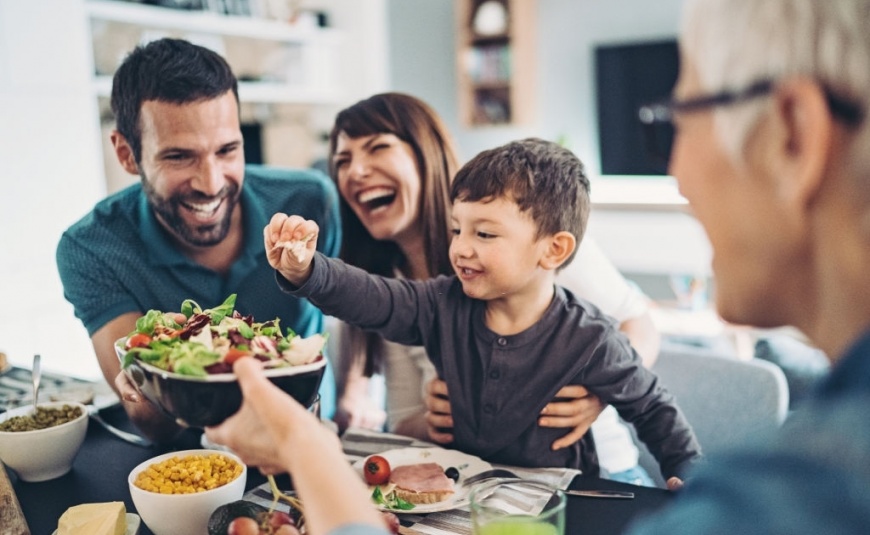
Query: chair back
x,y
726,400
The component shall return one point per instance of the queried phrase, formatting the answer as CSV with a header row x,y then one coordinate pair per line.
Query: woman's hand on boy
x,y
439,421
578,410
290,242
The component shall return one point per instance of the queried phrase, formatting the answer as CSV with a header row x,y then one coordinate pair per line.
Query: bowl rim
x,y
17,411
284,371
183,453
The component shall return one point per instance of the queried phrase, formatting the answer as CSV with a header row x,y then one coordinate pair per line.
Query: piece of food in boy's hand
x,y
376,470
421,483
296,247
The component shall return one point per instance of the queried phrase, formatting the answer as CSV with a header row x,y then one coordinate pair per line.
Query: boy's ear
x,y
560,247
124,153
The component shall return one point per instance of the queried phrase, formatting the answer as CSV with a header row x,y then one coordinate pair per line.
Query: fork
x,y
489,474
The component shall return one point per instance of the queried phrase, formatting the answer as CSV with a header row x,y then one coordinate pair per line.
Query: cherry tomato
x,y
243,526
234,354
138,340
376,470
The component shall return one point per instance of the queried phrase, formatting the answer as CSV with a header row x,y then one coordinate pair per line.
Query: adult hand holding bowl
x,y
183,362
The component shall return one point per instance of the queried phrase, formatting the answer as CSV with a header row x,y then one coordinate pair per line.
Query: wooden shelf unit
x,y
496,72
309,53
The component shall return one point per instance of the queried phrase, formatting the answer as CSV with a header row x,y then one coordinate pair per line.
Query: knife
x,y
602,494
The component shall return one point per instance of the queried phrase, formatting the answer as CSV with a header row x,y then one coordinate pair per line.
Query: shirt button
x,y
488,408
502,341
494,374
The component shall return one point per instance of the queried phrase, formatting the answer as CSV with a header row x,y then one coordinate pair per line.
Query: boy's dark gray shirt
x,y
499,384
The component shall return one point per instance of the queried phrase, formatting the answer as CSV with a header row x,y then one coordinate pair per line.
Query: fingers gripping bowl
x,y
183,362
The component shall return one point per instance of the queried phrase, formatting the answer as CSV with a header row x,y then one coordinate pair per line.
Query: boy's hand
x,y
290,244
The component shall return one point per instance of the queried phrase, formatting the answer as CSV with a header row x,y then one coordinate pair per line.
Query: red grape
x,y
392,521
243,526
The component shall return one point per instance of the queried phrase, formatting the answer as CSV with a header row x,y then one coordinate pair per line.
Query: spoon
x,y
37,374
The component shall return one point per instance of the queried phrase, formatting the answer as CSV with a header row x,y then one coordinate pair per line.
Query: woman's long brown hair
x,y
416,123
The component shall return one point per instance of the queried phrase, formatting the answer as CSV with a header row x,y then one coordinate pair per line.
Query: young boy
x,y
502,335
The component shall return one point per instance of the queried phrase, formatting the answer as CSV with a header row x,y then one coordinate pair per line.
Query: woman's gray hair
x,y
734,43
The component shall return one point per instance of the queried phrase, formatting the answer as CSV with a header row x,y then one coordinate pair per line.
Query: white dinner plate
x,y
467,465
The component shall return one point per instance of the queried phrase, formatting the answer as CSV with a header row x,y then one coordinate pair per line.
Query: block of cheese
x,y
94,519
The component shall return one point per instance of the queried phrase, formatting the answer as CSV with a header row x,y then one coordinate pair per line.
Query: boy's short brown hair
x,y
542,177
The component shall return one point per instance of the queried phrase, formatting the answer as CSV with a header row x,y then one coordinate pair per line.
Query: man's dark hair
x,y
166,70
543,178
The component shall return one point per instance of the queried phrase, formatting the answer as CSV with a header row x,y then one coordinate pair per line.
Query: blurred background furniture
x,y
726,400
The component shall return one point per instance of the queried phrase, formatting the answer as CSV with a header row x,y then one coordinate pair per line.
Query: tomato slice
x,y
138,340
234,354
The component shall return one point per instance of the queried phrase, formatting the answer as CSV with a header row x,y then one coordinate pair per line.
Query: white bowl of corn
x,y
176,493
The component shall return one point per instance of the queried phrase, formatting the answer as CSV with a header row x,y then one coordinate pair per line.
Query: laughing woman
x,y
393,160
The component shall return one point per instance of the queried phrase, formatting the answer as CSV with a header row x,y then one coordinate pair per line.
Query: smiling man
x,y
192,227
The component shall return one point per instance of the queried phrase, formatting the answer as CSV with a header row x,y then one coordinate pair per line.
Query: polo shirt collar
x,y
254,219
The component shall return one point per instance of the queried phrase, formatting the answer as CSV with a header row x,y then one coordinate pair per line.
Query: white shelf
x,y
205,22
254,92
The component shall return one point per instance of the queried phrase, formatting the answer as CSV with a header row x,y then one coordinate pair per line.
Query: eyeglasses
x,y
658,118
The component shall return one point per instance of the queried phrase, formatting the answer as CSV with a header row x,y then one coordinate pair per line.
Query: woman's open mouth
x,y
376,199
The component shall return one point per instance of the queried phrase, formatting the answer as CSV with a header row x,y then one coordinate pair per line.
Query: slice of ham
x,y
423,477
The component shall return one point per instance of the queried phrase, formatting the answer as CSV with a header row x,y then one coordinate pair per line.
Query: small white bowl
x,y
45,453
183,514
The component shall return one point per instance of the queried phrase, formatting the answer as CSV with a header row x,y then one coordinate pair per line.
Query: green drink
x,y
517,507
518,526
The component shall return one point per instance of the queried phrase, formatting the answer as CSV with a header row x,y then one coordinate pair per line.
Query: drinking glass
x,y
517,507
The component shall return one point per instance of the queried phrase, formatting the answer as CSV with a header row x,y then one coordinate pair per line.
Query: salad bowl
x,y
182,361
206,401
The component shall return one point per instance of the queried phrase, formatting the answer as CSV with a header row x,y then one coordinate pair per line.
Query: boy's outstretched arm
x,y
290,243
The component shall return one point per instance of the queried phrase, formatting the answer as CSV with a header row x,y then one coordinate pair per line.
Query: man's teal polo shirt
x,y
118,259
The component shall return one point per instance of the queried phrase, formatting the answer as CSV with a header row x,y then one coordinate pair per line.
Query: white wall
x,y
423,63
51,176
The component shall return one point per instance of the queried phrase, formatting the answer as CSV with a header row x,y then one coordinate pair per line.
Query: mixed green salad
x,y
199,342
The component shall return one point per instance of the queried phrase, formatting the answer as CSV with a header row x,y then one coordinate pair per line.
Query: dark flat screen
x,y
626,77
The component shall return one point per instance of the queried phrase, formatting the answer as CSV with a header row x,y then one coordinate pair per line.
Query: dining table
x,y
102,465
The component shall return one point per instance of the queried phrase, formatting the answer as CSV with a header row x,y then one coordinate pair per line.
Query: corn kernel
x,y
189,474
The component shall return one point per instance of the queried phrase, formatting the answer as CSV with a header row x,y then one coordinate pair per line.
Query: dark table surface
x,y
100,471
